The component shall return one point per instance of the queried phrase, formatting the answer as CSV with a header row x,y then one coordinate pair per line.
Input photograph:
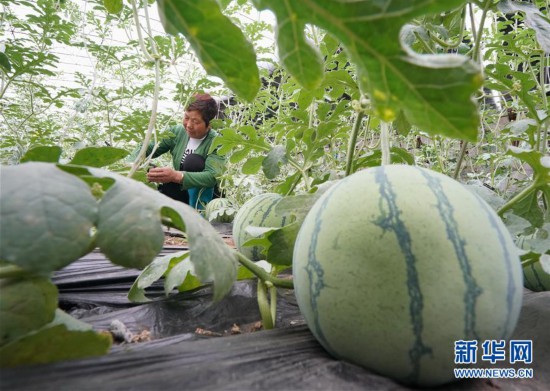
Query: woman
x,y
196,169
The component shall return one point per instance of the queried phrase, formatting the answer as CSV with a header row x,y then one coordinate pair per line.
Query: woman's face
x,y
194,124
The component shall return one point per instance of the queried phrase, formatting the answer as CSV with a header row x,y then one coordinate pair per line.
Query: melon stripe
x,y
395,224
314,270
509,260
446,211
252,211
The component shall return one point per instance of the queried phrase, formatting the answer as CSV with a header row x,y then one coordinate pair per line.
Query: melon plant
x,y
395,263
220,210
259,211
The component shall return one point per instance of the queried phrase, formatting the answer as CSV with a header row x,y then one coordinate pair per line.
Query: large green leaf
x,y
434,91
26,304
46,216
220,46
49,154
130,231
63,339
98,156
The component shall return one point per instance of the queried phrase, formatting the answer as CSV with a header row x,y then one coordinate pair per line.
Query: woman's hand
x,y
164,175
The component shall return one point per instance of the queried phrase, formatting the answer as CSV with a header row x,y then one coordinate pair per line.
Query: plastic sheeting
x,y
286,358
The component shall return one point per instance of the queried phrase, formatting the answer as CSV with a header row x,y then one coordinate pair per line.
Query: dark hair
x,y
206,105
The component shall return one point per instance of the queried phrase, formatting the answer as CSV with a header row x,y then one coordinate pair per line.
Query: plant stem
x,y
353,141
424,43
452,45
153,119
262,274
476,57
543,132
518,197
385,143
273,301
12,271
477,49
264,307
148,56
289,192
302,171
460,159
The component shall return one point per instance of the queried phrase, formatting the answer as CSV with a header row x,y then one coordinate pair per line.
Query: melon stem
x,y
263,305
353,141
385,143
262,274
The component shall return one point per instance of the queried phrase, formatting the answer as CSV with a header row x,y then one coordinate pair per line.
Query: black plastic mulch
x,y
179,358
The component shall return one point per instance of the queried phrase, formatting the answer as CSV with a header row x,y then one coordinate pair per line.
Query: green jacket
x,y
214,165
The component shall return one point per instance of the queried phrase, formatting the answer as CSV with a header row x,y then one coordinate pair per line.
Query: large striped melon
x,y
259,211
394,264
535,278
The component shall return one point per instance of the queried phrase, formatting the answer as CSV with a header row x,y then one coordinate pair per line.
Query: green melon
x,y
220,210
535,278
394,264
258,211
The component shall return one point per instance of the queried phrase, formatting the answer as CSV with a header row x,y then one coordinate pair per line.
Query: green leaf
x,y
522,126
274,158
182,276
434,91
98,156
42,154
46,217
540,242
63,339
398,156
5,62
288,184
26,305
509,80
488,195
239,155
130,231
220,46
538,162
515,224
528,206
282,244
401,124
113,6
153,272
246,139
252,165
